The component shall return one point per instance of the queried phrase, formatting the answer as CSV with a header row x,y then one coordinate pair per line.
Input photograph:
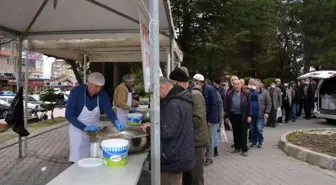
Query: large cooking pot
x,y
145,116
138,139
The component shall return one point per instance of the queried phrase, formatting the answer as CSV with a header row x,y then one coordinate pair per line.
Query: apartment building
x,y
60,69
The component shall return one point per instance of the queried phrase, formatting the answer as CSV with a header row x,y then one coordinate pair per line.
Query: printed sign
x,y
145,45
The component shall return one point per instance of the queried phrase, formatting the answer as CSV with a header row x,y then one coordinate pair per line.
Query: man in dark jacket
x,y
177,136
295,101
301,84
212,114
180,77
216,84
283,96
237,107
308,99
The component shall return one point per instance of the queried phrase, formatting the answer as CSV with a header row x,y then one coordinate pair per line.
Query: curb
x,y
32,135
322,160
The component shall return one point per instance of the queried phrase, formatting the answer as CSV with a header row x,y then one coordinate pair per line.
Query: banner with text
x,y
145,46
145,50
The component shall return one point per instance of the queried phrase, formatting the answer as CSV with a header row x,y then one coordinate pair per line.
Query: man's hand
x,y
222,121
266,116
144,126
209,124
249,119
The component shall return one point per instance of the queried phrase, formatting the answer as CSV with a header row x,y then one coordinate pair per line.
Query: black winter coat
x,y
177,135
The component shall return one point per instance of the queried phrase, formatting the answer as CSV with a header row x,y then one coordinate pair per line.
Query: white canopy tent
x,y
126,49
39,21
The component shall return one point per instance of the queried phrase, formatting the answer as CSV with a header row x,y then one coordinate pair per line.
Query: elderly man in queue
x,y
180,77
260,106
232,79
83,113
237,107
276,99
123,102
212,114
177,136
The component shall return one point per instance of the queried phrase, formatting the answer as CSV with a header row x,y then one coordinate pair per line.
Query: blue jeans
x,y
293,112
257,128
216,126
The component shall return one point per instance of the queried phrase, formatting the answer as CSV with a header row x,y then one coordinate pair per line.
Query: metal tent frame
x,y
20,28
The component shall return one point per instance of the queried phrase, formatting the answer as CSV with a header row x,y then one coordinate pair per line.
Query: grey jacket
x,y
264,103
220,106
276,98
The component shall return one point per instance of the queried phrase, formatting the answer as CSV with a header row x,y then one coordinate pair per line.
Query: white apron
x,y
121,113
79,140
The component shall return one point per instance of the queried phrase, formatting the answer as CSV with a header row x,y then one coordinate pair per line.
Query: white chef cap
x,y
128,78
97,79
199,77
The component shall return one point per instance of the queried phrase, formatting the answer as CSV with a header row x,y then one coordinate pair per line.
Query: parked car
x,y
33,104
7,93
4,108
325,106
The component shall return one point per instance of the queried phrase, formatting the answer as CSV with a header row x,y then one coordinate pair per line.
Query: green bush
x,y
246,79
139,82
50,97
268,81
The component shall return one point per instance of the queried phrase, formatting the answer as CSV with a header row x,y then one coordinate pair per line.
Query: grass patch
x,y
46,123
322,143
9,134
292,136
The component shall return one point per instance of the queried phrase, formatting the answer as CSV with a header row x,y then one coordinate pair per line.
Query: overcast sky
x,y
47,61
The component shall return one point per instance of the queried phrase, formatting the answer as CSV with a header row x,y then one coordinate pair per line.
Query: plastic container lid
x,y
115,143
90,162
131,115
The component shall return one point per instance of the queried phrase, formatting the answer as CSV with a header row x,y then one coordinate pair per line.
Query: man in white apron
x,y
83,113
122,99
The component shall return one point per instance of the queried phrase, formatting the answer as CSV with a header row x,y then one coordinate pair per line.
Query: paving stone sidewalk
x,y
267,166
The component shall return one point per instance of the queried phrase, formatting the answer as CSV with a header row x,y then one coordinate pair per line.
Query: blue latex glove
x,y
119,126
91,128
133,109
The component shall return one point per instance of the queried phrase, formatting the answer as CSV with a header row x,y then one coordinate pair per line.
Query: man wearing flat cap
x,y
180,77
83,113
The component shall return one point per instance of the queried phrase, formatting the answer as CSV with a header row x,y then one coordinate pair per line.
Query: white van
x,y
325,107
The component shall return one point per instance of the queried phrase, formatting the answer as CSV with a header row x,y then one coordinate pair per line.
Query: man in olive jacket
x,y
180,77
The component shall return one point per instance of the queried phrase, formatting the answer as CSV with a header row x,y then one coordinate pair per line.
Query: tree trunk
x,y
72,63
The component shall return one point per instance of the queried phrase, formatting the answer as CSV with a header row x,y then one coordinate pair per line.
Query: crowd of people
x,y
192,112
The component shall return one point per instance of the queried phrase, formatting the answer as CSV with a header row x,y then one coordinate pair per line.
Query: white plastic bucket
x,y
134,118
115,152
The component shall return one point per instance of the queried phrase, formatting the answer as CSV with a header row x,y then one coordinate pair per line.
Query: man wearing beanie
x,y
180,77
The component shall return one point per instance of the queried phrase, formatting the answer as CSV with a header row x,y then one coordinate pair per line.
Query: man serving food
x,y
123,102
83,113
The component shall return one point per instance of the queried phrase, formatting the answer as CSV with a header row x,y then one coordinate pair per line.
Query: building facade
x,y
60,69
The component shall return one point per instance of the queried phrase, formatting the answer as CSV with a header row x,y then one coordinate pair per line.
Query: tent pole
x,y
168,65
18,82
84,65
26,102
172,56
155,79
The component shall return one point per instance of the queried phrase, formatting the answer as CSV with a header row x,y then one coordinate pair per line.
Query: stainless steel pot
x,y
138,139
146,116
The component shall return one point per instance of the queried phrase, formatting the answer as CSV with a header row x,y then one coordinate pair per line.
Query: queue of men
x,y
192,112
